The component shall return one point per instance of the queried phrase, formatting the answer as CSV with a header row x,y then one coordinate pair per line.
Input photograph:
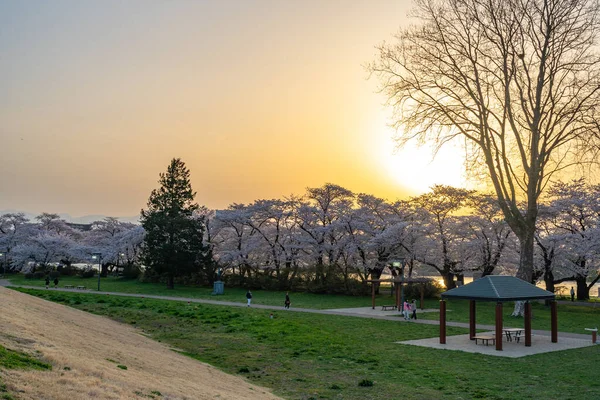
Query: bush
x,y
39,275
67,270
432,290
131,271
365,383
88,273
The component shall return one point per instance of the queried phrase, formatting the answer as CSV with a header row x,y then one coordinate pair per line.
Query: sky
x,y
261,99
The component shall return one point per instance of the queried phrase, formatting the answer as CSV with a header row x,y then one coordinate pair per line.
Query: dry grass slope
x,y
85,351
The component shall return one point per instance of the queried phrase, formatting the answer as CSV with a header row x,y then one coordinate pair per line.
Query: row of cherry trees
x,y
332,237
50,240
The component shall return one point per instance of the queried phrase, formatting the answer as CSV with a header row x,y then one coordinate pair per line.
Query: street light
x,y
98,256
400,264
4,263
119,256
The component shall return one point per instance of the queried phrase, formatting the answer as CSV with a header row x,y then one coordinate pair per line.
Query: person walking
x,y
413,308
405,309
572,294
55,282
249,297
47,282
287,302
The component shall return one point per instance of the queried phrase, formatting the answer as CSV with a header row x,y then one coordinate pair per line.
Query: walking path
x,y
361,312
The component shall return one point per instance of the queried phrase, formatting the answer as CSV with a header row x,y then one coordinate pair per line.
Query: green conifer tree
x,y
173,242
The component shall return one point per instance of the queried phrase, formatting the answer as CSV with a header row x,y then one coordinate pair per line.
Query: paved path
x,y
363,312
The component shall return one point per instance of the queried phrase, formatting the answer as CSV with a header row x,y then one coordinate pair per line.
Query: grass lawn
x,y
10,359
570,318
306,356
276,298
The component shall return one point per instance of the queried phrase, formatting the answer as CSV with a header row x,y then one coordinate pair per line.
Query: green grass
x,y
570,318
10,359
303,356
299,300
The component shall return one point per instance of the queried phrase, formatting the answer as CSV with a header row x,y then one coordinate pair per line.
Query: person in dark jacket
x,y
47,282
413,307
287,300
55,282
249,297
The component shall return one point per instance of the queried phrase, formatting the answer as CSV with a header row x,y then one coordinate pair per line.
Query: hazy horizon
x,y
260,99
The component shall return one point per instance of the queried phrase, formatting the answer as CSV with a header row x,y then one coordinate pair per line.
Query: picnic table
x,y
81,287
513,333
69,287
485,338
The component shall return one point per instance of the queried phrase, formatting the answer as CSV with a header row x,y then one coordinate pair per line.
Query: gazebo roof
x,y
498,288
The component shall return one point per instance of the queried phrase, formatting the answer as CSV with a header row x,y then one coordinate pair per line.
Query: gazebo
x,y
499,289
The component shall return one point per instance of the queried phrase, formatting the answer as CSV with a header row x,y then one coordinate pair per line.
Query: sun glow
x,y
416,168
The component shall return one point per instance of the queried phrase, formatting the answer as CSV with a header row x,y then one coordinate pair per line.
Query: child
x,y
249,297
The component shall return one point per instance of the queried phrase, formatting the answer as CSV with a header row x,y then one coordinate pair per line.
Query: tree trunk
x,y
583,292
170,282
449,280
519,310
549,281
525,271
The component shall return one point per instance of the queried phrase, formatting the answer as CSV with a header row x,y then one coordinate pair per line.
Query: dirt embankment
x,y
85,351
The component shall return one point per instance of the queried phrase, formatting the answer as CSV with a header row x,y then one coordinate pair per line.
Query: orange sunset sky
x,y
260,99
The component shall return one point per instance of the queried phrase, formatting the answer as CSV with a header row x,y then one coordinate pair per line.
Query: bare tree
x,y
516,80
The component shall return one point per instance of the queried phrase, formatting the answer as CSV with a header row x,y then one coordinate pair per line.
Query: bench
x,y
69,287
388,307
485,338
81,287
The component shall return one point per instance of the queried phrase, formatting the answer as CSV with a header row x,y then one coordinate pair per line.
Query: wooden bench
x,y
81,287
69,287
388,307
485,338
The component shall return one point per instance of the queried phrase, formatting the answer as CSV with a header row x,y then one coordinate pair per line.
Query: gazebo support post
x,y
397,295
373,294
472,319
527,324
554,322
499,326
422,287
442,321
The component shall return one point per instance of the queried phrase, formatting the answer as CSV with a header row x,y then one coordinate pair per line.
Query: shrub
x,y
432,290
88,273
131,271
39,275
365,383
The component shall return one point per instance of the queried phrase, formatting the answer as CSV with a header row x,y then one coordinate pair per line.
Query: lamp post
x,y
400,263
4,263
119,257
98,256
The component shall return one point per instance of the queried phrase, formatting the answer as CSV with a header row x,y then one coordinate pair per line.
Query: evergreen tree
x,y
173,242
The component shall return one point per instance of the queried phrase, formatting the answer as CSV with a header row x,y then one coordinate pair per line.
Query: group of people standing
x,y
409,310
